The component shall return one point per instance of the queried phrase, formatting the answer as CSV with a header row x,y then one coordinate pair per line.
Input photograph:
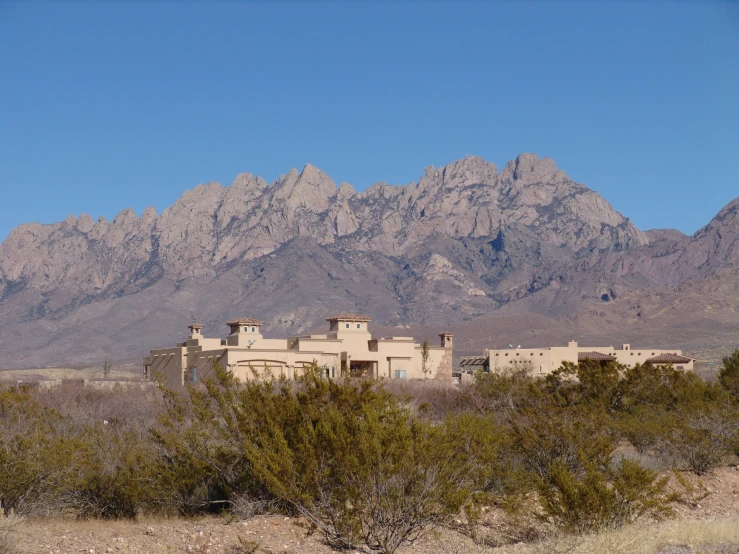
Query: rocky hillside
x,y
464,241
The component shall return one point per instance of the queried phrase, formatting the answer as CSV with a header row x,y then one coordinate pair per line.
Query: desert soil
x,y
713,498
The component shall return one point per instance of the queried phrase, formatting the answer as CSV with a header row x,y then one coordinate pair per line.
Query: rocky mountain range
x,y
465,244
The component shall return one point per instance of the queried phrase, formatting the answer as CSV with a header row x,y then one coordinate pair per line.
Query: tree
x,y
425,358
107,367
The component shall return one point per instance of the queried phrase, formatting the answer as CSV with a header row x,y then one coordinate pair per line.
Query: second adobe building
x,y
347,349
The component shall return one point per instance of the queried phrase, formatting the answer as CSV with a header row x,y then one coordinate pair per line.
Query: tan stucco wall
x,y
546,360
242,352
168,362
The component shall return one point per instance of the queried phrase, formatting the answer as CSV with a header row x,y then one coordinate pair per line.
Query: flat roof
x,y
349,317
245,321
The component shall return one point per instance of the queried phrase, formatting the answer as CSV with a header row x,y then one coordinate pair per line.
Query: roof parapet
x,y
244,321
349,317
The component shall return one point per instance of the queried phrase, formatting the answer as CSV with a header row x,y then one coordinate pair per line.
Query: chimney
x,y
447,340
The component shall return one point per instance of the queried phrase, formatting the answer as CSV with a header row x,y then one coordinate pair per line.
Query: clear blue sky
x,y
109,105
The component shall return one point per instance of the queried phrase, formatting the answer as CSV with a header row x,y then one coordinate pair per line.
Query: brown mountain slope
x,y
701,316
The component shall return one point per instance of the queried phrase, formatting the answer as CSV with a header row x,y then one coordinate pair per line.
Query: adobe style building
x,y
546,360
348,349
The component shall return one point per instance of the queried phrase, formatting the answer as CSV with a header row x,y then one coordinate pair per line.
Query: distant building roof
x,y
245,321
669,359
473,360
348,317
195,326
595,356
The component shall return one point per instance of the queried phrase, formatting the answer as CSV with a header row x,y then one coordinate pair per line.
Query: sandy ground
x,y
707,522
52,373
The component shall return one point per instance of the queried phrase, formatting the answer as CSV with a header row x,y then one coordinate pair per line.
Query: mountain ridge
x,y
463,241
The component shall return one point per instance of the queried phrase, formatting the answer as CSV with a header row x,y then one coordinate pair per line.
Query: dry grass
x,y
636,539
9,523
53,373
176,536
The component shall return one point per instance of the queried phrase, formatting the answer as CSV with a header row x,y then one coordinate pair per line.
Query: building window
x,y
194,375
246,329
347,325
253,329
400,373
359,325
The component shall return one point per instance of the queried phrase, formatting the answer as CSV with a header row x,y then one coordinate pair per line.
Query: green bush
x,y
678,417
121,476
498,393
699,439
587,383
39,454
348,456
601,497
203,466
729,374
545,434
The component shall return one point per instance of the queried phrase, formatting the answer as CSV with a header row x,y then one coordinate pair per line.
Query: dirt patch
x,y
711,503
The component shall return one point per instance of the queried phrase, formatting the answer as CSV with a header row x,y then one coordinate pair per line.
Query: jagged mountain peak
x,y
310,188
470,170
212,226
528,169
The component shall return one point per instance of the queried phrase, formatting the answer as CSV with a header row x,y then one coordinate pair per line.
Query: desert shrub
x,y
349,456
39,454
587,383
428,397
678,417
203,466
646,428
125,407
699,439
121,476
499,392
729,374
545,434
71,459
601,496
660,386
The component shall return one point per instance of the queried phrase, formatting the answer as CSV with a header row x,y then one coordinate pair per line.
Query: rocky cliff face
x,y
211,227
463,241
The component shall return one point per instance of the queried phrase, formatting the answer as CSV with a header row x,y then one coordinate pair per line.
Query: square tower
x,y
348,325
244,332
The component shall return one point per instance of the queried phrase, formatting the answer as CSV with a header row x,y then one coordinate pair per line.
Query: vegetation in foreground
x,y
370,468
